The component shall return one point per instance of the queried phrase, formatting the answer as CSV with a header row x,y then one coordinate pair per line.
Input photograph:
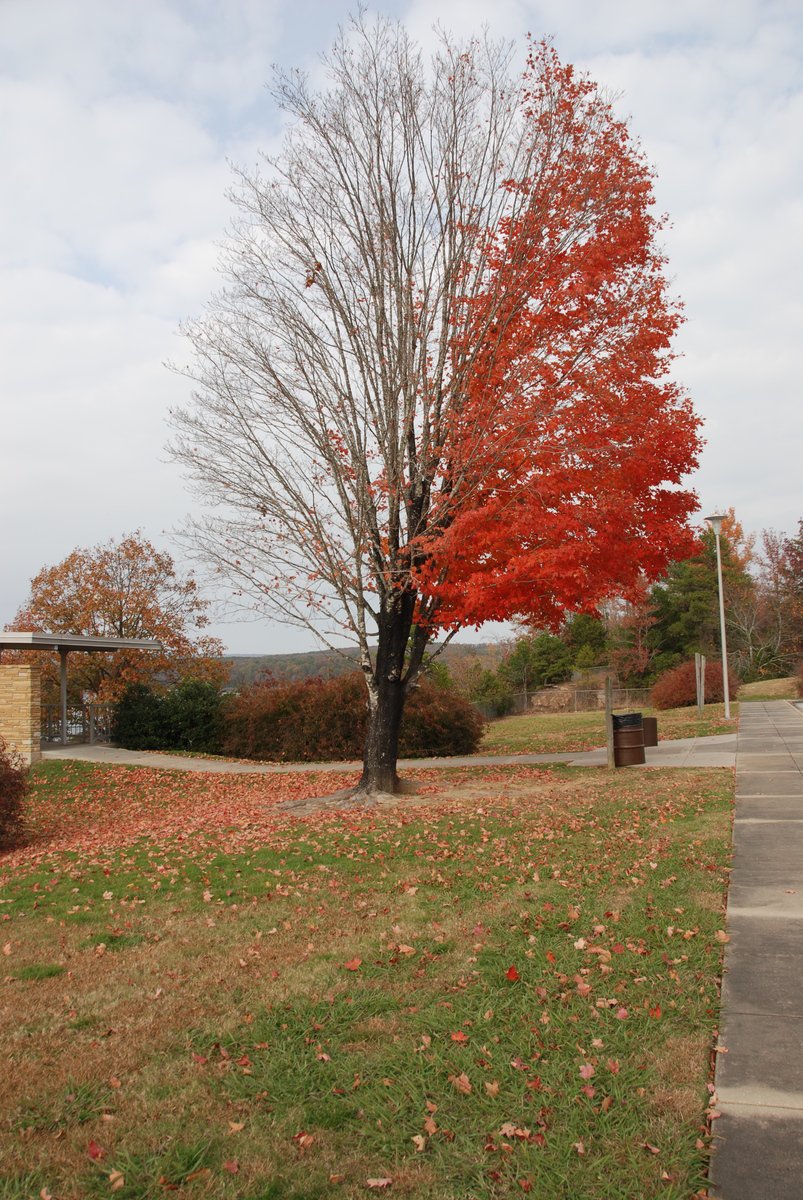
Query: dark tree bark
x,y
397,664
386,707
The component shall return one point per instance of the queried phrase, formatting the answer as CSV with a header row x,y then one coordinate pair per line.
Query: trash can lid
x,y
627,721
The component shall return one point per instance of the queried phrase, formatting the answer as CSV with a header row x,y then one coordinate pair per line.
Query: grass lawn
x,y
770,689
506,984
558,733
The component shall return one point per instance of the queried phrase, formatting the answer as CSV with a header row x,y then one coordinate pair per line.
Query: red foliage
x,y
297,721
567,452
13,786
96,811
320,720
678,688
105,809
437,722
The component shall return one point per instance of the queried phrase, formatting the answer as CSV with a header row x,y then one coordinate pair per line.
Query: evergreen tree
x,y
535,662
685,605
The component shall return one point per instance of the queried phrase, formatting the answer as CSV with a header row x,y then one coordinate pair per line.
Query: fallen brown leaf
x,y
461,1082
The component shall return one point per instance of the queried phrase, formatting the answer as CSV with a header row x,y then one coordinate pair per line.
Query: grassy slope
x,y
203,993
770,689
557,733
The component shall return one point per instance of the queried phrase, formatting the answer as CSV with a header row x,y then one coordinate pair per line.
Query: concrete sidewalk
x,y
759,1076
685,752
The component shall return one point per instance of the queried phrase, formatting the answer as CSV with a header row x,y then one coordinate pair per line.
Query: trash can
x,y
650,727
628,740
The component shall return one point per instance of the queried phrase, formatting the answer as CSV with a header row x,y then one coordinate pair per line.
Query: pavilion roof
x,y
12,640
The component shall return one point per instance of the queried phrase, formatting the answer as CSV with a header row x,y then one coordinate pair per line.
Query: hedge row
x,y
313,720
189,717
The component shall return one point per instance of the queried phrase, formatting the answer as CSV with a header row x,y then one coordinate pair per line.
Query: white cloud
x,y
115,124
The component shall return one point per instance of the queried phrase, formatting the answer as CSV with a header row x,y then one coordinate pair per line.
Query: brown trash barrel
x,y
628,740
650,727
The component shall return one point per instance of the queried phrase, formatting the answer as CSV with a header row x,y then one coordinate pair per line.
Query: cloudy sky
x,y
117,124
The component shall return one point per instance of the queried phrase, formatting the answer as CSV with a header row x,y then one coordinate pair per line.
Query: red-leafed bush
x,y
301,721
437,722
678,688
13,786
316,720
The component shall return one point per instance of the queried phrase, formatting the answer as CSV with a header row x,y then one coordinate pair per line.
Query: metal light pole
x,y
715,521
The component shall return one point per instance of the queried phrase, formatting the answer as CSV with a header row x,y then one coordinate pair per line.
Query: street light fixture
x,y
715,521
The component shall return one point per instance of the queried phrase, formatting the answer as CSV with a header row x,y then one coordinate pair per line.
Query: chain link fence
x,y
563,698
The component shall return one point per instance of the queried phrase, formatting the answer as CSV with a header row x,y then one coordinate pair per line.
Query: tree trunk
x,y
387,690
386,705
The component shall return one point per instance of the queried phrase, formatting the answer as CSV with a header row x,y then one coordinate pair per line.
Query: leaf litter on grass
x,y
481,994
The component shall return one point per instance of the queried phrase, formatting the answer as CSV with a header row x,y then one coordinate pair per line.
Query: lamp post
x,y
715,521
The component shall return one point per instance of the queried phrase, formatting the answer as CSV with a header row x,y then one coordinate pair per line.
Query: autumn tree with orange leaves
x,y
435,390
121,589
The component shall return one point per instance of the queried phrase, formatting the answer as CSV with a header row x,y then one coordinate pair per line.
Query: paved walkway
x,y
759,1081
685,752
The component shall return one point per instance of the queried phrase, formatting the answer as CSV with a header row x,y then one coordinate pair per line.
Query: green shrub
x,y
537,661
137,723
190,717
13,788
319,720
678,688
799,679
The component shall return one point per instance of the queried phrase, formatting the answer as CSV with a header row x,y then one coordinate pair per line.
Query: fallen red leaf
x,y
512,974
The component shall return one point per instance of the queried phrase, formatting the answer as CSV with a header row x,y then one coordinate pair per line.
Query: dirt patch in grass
x,y
677,1067
711,900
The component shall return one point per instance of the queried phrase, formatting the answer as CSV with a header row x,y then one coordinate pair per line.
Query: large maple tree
x,y
121,589
436,389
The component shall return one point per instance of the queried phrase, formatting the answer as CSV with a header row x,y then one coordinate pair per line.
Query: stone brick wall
x,y
20,710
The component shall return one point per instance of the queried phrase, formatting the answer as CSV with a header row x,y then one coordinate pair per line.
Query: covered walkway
x,y
64,644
